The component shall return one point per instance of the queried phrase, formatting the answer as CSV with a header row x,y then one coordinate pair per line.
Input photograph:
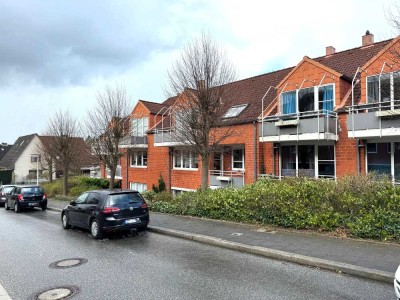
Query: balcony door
x,y
384,159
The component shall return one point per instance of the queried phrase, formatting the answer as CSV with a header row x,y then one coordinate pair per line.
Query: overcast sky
x,y
55,54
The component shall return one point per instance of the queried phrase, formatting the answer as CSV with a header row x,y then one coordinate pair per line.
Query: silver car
x,y
4,190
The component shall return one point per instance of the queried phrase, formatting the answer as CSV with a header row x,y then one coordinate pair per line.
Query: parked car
x,y
26,196
397,283
4,190
103,211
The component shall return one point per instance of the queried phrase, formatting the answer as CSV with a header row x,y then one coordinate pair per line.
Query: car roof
x,y
113,192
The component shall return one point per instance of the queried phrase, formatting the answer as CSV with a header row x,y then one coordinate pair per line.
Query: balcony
x,y
304,126
118,172
133,142
167,137
223,179
374,120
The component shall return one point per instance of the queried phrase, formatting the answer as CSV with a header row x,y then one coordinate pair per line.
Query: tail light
x,y
110,210
44,196
20,197
144,205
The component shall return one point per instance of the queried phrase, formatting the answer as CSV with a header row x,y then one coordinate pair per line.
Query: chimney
x,y
367,39
330,50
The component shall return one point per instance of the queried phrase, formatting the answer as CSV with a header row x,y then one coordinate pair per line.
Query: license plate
x,y
32,204
132,221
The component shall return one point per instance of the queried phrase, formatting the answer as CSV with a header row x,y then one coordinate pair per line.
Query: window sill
x,y
139,167
186,169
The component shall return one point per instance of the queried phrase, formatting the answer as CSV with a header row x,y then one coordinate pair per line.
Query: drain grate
x,y
68,263
56,293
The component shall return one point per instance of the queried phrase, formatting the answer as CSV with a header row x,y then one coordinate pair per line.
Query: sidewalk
x,y
372,260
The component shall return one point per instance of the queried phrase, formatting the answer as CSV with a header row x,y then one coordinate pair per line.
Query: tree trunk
x,y
112,177
50,170
65,182
204,171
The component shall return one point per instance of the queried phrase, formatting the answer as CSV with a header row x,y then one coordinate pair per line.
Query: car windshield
x,y
8,189
123,199
33,189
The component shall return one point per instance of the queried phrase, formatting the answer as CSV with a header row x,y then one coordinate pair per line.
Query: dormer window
x,y
140,126
234,111
387,91
308,99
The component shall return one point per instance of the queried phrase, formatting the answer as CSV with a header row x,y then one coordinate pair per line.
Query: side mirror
x,y
73,203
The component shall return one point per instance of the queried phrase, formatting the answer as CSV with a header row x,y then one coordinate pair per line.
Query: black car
x,y
4,190
103,211
26,196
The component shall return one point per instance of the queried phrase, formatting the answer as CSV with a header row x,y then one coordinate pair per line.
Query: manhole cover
x,y
68,263
56,293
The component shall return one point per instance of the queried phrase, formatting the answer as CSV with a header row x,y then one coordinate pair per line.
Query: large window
x,y
326,161
140,126
380,157
218,161
137,186
185,160
306,160
387,91
234,111
139,159
288,157
309,99
238,159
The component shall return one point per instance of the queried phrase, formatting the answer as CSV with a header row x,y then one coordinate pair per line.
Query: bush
x,y
364,206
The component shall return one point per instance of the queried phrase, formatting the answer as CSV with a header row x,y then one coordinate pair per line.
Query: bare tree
x,y
201,75
105,124
61,144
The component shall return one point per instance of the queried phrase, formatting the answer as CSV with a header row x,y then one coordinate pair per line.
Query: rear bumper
x,y
117,225
2,199
30,204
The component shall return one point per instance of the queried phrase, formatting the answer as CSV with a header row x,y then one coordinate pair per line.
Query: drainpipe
x,y
127,170
255,150
170,152
358,157
273,159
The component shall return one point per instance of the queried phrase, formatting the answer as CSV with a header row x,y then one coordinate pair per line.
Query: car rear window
x,y
123,199
31,190
8,189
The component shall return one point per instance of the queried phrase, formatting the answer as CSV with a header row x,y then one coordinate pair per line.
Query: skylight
x,y
234,111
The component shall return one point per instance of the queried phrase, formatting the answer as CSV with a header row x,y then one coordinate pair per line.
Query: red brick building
x,y
326,117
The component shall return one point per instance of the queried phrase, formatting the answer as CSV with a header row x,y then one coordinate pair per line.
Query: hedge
x,y
362,206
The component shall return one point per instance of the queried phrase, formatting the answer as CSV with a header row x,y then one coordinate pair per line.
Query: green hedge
x,y
362,206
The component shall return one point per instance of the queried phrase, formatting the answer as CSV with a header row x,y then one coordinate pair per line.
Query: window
x,y
92,199
238,159
140,126
378,158
306,160
388,91
185,160
32,174
326,161
309,99
372,148
306,99
137,186
325,98
288,156
289,102
139,159
35,158
81,199
234,111
217,161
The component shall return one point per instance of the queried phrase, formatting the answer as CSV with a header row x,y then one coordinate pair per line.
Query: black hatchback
x,y
103,211
26,196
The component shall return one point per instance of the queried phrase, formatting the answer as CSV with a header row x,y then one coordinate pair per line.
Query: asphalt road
x,y
152,266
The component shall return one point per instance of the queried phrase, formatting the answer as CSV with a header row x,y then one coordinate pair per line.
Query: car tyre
x,y
17,209
142,228
6,207
44,206
95,230
65,221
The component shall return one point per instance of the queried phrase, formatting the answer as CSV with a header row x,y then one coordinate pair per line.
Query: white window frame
x,y
134,159
233,161
391,76
235,111
138,186
140,126
178,154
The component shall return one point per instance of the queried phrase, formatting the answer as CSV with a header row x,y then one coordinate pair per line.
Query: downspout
x,y
273,159
358,157
170,151
255,150
127,170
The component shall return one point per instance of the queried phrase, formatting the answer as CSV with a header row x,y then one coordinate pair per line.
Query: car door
x,y
13,197
75,209
88,208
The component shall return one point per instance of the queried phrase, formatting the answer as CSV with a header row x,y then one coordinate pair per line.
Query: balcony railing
x,y
222,179
131,141
118,173
167,137
304,126
377,119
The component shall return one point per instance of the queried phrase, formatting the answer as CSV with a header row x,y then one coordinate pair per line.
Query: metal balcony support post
x,y
255,150
262,109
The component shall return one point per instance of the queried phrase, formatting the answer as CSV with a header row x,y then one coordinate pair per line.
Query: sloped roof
x,y
4,149
170,101
154,107
347,62
9,159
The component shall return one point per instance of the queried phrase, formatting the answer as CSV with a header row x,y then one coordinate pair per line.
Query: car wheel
x,y
17,209
44,206
142,228
6,206
95,230
65,221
